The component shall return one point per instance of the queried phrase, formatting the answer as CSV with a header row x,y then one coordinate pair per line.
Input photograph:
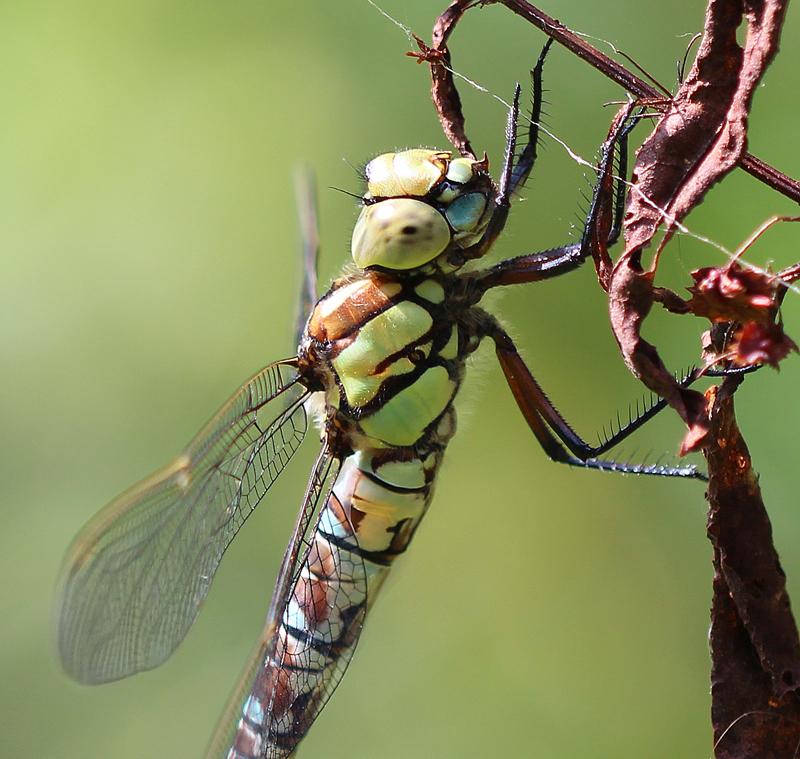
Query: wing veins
x,y
318,491
141,545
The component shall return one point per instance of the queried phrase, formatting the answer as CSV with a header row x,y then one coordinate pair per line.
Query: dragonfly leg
x,y
621,192
515,169
535,267
527,158
559,441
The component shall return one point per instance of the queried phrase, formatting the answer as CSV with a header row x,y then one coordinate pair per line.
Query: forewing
x,y
136,576
309,637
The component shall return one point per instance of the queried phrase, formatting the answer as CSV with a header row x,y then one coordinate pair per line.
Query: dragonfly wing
x,y
136,576
306,199
310,635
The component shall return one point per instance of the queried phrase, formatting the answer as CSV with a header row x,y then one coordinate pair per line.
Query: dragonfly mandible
x,y
380,361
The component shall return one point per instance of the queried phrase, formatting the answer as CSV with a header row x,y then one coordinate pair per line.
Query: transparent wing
x,y
136,576
310,635
306,199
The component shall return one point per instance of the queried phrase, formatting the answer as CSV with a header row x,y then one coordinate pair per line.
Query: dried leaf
x,y
756,343
700,138
732,293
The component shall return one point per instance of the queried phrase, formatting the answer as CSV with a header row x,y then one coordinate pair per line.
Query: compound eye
x,y
400,234
466,213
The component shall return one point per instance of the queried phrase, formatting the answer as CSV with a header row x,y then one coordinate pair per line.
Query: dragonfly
x,y
381,358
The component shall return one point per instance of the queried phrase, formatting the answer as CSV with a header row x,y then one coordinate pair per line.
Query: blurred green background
x,y
149,266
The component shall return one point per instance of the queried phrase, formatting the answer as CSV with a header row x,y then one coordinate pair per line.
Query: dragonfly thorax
x,y
389,351
419,205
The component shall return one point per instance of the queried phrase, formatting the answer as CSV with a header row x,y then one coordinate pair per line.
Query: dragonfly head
x,y
420,204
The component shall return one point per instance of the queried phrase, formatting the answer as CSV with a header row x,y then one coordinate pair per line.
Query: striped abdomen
x,y
378,500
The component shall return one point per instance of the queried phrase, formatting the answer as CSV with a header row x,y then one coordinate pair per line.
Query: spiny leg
x,y
515,169
535,267
604,222
553,432
527,158
559,441
555,435
621,192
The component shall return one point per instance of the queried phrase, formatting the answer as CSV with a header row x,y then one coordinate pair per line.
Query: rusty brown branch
x,y
638,87
445,96
699,139
754,639
770,176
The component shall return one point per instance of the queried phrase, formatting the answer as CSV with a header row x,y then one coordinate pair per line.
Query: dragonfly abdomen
x,y
368,520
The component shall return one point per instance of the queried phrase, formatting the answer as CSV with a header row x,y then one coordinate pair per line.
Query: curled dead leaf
x,y
755,343
733,293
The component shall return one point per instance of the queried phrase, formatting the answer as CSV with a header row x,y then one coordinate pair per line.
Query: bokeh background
x,y
150,265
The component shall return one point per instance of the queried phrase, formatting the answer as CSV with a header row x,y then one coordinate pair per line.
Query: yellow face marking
x,y
399,234
417,171
410,172
460,170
